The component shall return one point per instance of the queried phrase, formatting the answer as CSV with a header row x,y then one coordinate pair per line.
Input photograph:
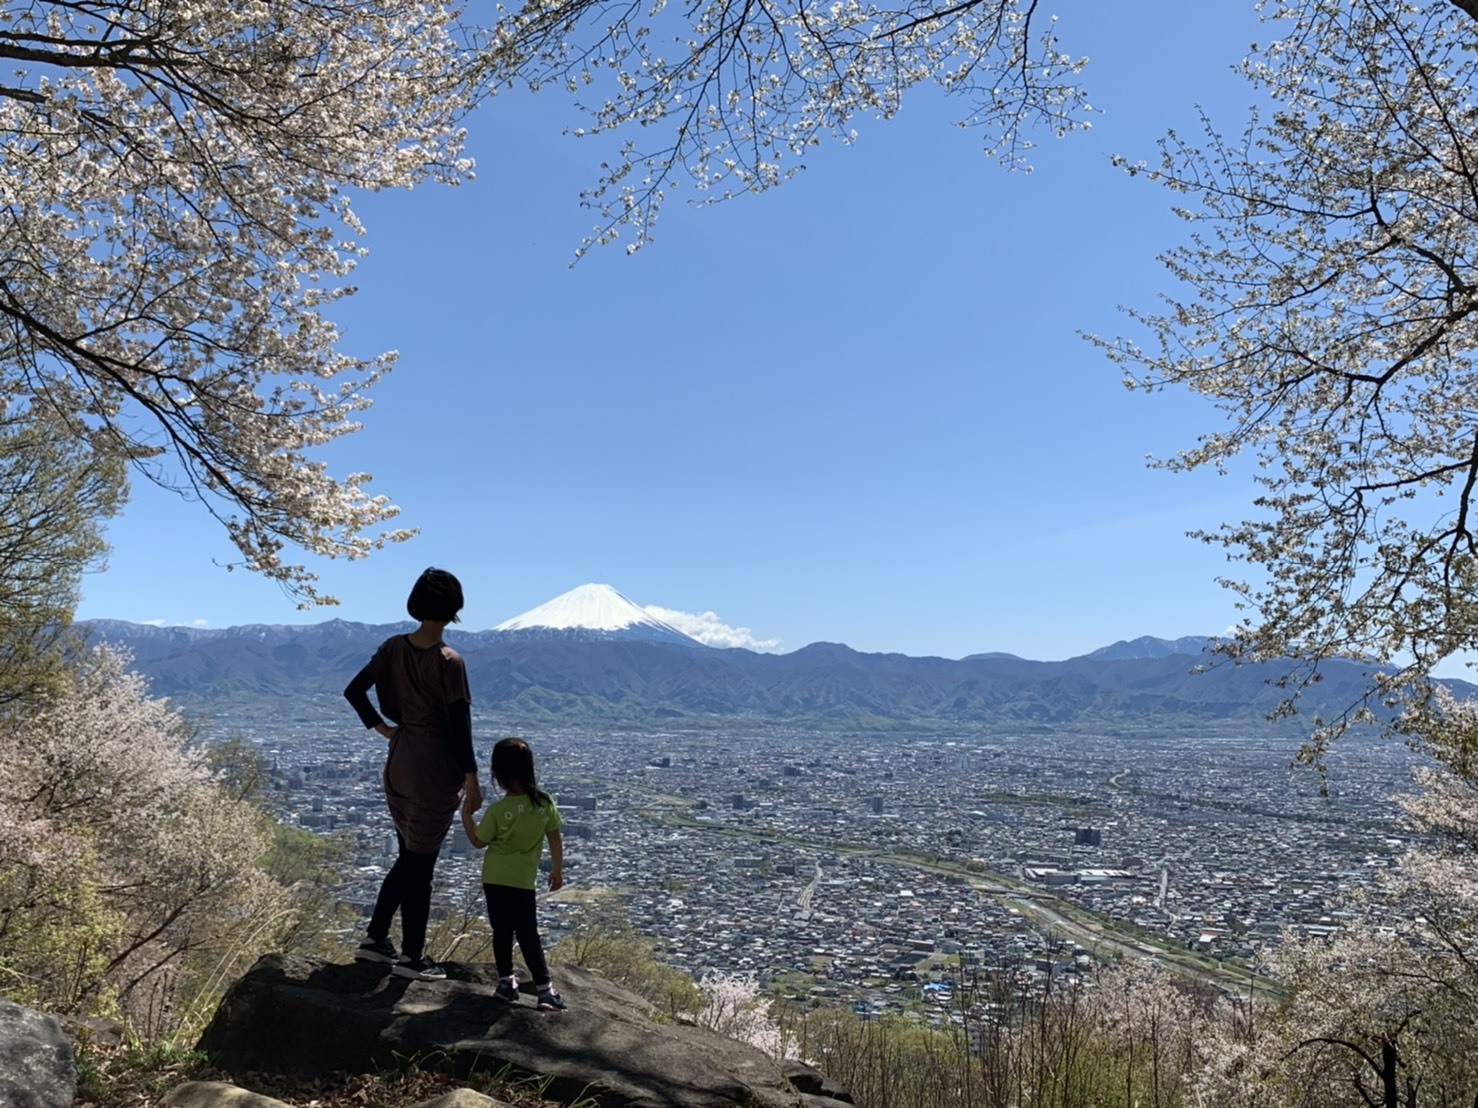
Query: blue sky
x,y
854,409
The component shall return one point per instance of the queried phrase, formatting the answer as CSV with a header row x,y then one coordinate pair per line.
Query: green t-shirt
x,y
514,829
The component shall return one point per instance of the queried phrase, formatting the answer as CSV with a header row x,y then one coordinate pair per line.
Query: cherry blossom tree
x,y
1387,1010
123,862
176,219
1147,1021
734,1005
1325,302
728,95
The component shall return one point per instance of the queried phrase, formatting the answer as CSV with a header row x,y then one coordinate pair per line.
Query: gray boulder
x,y
216,1094
37,1067
810,1080
463,1098
301,1016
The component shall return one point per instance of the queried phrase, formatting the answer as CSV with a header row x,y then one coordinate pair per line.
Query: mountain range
x,y
587,659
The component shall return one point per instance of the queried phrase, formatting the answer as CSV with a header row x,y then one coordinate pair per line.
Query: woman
x,y
421,683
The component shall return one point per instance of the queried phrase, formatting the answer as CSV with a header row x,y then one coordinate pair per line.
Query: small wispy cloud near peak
x,y
200,623
153,623
709,629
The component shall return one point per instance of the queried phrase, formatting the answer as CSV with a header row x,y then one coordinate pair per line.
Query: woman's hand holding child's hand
x,y
471,795
469,824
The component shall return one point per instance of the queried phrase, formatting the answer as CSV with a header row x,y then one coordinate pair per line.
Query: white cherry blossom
x,y
1325,302
174,224
116,839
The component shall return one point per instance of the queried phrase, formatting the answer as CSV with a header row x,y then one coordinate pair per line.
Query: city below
x,y
884,872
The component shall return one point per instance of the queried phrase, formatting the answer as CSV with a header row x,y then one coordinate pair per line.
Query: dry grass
x,y
131,1077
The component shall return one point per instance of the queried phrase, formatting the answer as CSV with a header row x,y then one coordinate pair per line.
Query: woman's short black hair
x,y
437,595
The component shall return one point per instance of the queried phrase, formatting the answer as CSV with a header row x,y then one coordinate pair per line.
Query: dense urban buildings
x,y
882,871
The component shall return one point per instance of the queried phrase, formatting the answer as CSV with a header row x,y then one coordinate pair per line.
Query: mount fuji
x,y
592,613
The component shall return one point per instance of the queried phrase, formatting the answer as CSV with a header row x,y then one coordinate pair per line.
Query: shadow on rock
x,y
300,1016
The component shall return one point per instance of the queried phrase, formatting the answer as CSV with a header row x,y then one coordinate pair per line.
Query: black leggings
x,y
406,887
511,912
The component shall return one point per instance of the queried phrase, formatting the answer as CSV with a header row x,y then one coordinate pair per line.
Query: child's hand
x,y
471,829
556,880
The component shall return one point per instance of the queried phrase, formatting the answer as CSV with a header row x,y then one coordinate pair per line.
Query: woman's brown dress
x,y
423,779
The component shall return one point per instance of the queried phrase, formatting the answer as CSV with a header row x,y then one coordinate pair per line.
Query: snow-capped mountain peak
x,y
594,611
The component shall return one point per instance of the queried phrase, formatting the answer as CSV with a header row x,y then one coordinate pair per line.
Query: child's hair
x,y
513,764
436,595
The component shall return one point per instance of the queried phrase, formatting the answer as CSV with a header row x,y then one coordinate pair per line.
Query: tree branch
x,y
1470,7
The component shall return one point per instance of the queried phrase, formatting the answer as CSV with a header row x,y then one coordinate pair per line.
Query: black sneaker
x,y
376,950
550,1000
419,969
507,989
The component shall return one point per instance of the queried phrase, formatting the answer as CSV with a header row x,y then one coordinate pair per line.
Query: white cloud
x,y
154,623
200,623
708,629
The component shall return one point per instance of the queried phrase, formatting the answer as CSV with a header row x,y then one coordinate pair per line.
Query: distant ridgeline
x,y
532,674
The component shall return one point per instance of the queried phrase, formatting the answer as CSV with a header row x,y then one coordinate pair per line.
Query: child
x,y
514,830
422,685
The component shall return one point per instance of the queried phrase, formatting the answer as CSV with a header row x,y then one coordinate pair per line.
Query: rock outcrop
x,y
301,1016
217,1094
37,1066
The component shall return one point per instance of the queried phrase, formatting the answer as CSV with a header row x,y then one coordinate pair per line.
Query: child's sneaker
x,y
550,1000
507,989
376,950
419,969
